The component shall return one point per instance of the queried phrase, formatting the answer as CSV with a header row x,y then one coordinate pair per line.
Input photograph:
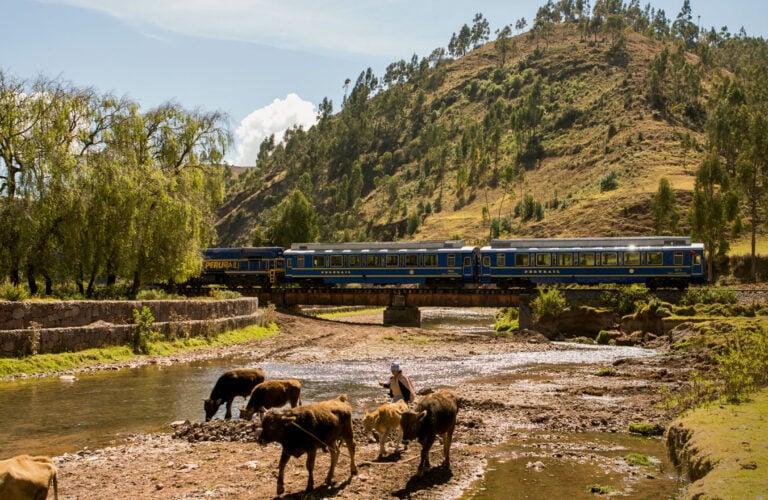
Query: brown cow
x,y
25,477
435,414
304,429
272,394
384,420
232,383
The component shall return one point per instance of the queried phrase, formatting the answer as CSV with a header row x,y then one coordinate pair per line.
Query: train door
x,y
697,263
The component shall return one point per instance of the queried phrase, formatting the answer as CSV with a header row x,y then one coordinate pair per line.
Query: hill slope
x,y
564,126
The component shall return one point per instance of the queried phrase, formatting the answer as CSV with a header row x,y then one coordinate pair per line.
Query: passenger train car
x,y
399,263
657,262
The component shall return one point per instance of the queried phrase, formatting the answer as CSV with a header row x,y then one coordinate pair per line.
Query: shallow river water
x,y
53,416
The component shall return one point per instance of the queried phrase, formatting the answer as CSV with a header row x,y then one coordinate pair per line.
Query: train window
x,y
451,260
486,261
300,261
654,258
609,258
373,261
521,259
543,259
430,259
354,260
631,258
697,258
337,260
678,258
565,259
501,260
411,260
586,259
467,261
318,261
392,260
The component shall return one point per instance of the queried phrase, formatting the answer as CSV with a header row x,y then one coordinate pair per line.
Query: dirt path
x,y
217,460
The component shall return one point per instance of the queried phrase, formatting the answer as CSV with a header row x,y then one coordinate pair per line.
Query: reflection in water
x,y
49,416
547,466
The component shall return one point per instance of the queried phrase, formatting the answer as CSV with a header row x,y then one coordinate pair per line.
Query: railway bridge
x,y
401,304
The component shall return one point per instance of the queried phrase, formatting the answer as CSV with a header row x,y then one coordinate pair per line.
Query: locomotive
x,y
656,261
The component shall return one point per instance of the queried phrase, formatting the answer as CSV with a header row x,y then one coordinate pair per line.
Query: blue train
x,y
657,262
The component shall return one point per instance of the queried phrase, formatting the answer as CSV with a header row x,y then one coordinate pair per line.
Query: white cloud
x,y
274,118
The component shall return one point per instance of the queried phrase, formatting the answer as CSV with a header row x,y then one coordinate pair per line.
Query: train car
x,y
657,262
428,263
243,267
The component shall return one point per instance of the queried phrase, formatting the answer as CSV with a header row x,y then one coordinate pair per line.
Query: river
x,y
54,416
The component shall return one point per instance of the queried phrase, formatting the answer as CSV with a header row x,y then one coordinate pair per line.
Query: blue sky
x,y
266,63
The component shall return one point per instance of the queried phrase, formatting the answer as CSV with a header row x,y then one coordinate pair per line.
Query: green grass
x,y
735,438
638,459
340,314
44,363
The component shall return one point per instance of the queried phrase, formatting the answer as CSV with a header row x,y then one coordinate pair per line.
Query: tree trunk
x,y
31,280
48,284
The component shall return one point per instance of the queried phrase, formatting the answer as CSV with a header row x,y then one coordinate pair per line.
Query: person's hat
x,y
394,367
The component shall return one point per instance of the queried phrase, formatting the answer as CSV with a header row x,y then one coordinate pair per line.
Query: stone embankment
x,y
66,326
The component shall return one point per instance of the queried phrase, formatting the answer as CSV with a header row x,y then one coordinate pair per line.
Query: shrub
x,y
549,303
14,293
143,334
155,294
506,320
743,367
223,294
708,295
606,372
603,337
625,299
609,181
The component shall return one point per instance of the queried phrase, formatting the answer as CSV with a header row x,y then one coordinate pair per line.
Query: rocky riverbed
x,y
219,459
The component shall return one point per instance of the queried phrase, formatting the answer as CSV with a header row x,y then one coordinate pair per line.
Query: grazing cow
x,y
304,429
435,414
384,420
272,394
25,477
232,383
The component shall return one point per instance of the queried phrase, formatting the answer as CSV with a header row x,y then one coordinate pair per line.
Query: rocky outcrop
x,y
576,322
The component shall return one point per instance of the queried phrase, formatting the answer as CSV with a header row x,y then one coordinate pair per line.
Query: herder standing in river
x,y
400,386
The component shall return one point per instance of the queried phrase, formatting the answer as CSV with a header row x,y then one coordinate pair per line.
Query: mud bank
x,y
723,449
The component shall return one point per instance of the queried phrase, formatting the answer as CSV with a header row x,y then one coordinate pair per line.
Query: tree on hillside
x,y
481,30
295,222
714,210
684,27
752,168
664,209
504,43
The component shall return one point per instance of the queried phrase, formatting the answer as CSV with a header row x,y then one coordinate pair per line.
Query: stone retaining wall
x,y
67,326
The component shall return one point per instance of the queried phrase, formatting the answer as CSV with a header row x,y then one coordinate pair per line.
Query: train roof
x,y
618,242
386,245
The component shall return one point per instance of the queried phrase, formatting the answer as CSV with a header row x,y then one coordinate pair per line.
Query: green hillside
x,y
564,130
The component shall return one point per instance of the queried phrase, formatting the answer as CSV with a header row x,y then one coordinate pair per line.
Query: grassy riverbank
x,y
728,444
48,363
